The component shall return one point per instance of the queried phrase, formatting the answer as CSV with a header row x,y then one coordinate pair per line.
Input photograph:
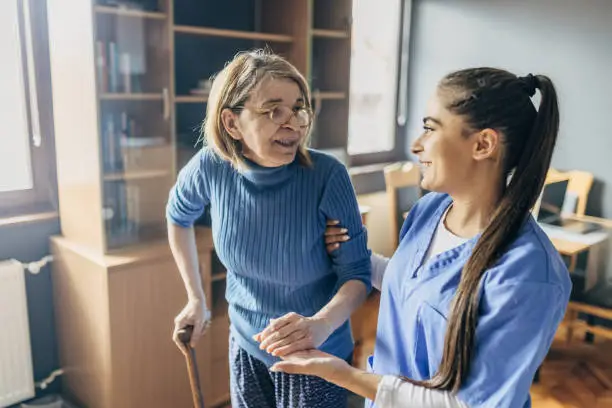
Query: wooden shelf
x,y
245,35
136,175
126,12
219,276
131,97
191,99
323,33
328,95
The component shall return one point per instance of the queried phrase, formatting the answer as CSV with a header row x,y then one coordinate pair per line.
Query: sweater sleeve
x,y
339,202
189,195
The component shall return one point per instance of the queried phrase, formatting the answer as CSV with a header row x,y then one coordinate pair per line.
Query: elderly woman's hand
x,y
292,333
195,314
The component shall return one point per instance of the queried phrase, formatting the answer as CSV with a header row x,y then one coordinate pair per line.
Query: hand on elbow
x,y
335,235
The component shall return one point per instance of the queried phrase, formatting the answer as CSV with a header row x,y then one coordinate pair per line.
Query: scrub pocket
x,y
431,339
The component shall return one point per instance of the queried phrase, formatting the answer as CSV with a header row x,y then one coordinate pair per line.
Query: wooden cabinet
x,y
114,322
112,87
130,82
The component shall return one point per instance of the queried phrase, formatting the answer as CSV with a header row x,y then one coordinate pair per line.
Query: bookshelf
x,y
323,33
140,175
130,91
127,12
133,79
131,97
329,71
191,99
329,95
244,35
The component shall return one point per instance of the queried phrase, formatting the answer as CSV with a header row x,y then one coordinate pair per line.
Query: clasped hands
x,y
292,333
295,339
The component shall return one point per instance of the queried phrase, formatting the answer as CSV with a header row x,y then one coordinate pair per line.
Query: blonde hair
x,y
232,87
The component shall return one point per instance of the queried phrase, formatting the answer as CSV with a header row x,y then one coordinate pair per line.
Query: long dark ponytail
x,y
496,99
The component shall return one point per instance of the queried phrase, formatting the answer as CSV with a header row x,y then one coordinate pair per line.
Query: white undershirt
x,y
393,392
443,240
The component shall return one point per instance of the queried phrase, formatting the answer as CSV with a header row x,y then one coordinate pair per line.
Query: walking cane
x,y
184,336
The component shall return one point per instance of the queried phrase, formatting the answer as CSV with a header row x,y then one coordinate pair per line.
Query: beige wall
x,y
377,222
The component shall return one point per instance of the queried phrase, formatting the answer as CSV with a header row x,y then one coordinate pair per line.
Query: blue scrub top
x,y
523,298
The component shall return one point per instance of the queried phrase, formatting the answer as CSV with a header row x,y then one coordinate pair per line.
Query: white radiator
x,y
16,377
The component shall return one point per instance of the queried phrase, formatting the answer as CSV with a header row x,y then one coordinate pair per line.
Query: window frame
x,y
398,153
42,196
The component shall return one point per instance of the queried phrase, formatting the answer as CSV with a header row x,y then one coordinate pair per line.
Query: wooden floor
x,y
575,376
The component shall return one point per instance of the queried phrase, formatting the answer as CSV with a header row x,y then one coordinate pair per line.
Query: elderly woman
x,y
270,197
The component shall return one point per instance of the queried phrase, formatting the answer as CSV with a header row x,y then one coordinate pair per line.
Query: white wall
x,y
569,40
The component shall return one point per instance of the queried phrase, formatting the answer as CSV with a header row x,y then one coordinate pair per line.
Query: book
x,y
108,145
111,143
133,209
143,141
101,66
113,67
126,72
115,70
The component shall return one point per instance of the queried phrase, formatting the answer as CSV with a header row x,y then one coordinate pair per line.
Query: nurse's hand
x,y
313,362
332,369
334,235
292,333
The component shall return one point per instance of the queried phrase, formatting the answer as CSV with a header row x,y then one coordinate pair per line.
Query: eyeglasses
x,y
281,114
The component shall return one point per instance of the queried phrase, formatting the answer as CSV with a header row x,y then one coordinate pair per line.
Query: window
x,y
375,69
16,171
27,175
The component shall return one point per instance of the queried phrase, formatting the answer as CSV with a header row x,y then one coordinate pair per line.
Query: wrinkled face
x,y
445,153
271,124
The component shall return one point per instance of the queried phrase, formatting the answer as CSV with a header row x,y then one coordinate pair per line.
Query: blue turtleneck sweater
x,y
268,228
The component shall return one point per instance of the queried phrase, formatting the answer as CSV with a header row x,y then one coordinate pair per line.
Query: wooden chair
x,y
399,175
578,187
594,303
588,303
580,183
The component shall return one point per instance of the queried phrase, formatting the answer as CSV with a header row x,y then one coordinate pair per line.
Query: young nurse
x,y
474,293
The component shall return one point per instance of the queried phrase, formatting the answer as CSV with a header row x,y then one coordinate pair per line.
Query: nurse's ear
x,y
487,145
